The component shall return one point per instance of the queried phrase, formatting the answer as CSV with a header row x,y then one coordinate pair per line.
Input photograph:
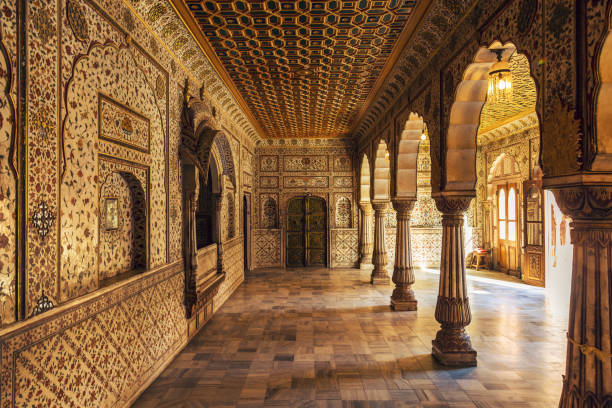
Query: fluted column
x,y
452,345
366,245
379,258
588,376
403,274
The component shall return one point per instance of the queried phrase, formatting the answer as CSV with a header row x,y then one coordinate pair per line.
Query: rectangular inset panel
x,y
268,163
305,163
300,182
268,181
342,163
122,125
343,181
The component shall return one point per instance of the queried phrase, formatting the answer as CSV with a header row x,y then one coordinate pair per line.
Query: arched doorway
x,y
306,231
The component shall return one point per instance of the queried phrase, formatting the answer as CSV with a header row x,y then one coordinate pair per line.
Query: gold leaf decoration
x,y
561,135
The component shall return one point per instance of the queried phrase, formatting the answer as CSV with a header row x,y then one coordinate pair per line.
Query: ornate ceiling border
x,y
526,121
162,20
442,19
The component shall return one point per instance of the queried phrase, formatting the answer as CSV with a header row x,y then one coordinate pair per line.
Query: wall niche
x,y
123,227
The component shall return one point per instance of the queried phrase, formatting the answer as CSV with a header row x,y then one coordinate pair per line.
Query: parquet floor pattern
x,y
326,338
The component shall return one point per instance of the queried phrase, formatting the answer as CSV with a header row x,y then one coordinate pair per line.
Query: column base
x,y
403,305
380,279
465,358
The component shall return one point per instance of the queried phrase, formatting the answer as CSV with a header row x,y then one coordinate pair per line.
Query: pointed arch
x,y
407,154
382,173
364,179
460,161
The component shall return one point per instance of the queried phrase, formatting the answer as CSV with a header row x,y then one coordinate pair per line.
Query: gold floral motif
x,y
77,21
156,12
159,87
42,24
561,134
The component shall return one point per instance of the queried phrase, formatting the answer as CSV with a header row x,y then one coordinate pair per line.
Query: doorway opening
x,y
306,232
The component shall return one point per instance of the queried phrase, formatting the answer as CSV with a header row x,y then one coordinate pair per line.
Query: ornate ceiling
x,y
304,68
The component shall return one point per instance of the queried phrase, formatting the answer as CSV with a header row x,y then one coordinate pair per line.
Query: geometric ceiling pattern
x,y
304,68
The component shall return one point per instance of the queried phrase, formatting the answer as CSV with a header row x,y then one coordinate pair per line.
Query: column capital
x,y
366,207
403,205
380,205
589,202
453,203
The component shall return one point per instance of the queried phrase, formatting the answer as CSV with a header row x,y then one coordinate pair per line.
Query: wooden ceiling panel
x,y
303,68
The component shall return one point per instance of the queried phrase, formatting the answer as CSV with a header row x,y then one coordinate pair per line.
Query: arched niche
x,y
364,179
123,230
208,190
382,173
407,155
471,95
603,109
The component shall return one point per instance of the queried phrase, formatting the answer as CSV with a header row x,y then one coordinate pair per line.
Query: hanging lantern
x,y
500,80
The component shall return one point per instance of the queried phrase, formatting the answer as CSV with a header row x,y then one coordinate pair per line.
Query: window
x,y
501,211
512,214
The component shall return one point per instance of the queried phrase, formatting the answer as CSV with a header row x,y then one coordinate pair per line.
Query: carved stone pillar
x,y
366,247
403,275
588,376
379,258
452,345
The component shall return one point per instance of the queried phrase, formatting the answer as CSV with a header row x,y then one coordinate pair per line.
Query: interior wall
x,y
322,168
104,97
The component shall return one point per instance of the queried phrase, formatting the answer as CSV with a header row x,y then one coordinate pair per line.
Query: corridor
x,y
327,338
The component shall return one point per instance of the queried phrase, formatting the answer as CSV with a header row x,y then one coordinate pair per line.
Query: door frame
x,y
283,225
534,249
247,230
506,185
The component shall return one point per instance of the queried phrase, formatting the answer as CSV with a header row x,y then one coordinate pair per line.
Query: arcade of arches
x,y
305,203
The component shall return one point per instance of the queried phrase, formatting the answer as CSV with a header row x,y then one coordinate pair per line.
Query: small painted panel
x,y
268,163
343,182
119,124
111,213
268,181
342,163
303,181
305,163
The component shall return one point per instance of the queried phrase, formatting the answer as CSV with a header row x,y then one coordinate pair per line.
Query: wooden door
x,y
295,232
316,231
507,227
534,234
306,232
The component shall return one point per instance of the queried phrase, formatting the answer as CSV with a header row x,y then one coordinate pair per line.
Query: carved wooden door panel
x,y
306,232
295,232
534,234
508,228
316,231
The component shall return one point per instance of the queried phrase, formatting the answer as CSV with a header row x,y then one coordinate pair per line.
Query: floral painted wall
x,y
100,119
8,174
290,168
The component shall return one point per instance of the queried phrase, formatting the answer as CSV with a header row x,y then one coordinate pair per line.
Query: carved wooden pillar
x,y
219,230
588,376
403,275
452,345
366,247
379,258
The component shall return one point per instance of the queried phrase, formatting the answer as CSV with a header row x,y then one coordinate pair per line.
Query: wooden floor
x,y
326,338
